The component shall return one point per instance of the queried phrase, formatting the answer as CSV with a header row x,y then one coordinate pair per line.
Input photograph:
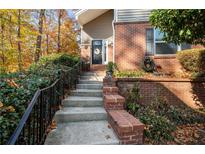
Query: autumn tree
x,y
61,14
26,35
39,37
19,41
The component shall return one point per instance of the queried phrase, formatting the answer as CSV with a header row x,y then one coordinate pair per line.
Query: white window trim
x,y
178,46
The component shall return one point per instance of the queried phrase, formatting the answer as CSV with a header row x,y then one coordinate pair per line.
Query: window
x,y
150,41
161,47
156,45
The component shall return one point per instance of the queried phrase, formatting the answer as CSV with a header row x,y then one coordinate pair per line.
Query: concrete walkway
x,y
83,120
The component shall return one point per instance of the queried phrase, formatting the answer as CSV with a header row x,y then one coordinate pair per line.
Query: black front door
x,y
97,51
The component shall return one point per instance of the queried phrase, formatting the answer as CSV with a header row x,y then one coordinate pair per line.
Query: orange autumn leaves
x,y
7,108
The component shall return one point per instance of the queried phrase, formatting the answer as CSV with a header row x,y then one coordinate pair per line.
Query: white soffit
x,y
87,15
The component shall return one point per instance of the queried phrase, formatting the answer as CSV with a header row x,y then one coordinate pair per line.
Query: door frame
x,y
103,51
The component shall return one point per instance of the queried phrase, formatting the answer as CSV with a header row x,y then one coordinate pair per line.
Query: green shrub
x,y
158,128
192,60
17,89
56,59
111,67
66,60
125,74
160,117
182,115
133,98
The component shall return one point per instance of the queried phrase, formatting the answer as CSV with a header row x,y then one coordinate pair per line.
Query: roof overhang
x,y
86,15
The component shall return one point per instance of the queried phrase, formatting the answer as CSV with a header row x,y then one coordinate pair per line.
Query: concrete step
x,y
88,74
89,82
88,77
89,86
76,101
90,132
75,114
87,92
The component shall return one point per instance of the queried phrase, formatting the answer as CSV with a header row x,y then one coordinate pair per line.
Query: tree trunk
x,y
19,41
10,31
47,44
2,42
39,37
59,30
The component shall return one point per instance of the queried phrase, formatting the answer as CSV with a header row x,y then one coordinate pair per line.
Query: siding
x,y
132,15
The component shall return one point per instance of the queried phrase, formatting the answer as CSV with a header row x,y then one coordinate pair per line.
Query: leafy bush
x,y
121,74
17,89
158,128
66,60
192,60
132,100
111,67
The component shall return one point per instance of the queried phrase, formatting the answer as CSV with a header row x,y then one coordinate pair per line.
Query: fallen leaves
x,y
109,126
186,135
189,134
1,104
12,83
10,109
107,136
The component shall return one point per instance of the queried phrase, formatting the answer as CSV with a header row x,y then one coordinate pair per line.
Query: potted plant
x,y
111,67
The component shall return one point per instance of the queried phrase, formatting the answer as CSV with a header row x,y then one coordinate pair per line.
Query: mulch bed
x,y
191,134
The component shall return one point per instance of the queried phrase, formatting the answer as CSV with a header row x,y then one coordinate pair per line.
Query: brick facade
x,y
130,48
130,44
175,91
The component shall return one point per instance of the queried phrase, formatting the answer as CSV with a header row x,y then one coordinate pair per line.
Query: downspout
x,y
113,27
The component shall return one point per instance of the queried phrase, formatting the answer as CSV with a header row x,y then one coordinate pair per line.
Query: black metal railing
x,y
35,122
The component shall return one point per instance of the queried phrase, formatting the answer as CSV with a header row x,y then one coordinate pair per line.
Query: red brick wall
x,y
175,91
130,44
168,64
130,48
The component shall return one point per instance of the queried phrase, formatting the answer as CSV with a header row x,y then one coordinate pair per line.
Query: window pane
x,y
158,35
150,47
149,40
96,42
149,34
165,48
185,46
105,54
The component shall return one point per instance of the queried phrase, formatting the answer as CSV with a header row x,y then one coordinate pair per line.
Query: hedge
x,y
192,60
17,89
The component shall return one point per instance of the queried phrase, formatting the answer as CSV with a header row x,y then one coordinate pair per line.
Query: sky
x,y
70,13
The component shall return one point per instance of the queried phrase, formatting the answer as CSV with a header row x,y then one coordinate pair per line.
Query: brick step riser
x,y
61,118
